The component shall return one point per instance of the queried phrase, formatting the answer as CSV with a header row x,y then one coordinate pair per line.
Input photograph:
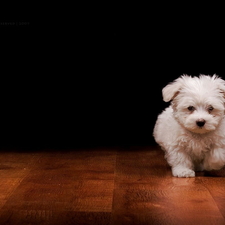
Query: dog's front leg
x,y
181,163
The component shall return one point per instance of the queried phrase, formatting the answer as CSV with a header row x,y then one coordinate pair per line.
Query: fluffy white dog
x,y
191,130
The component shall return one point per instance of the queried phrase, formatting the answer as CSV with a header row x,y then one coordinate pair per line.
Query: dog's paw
x,y
183,172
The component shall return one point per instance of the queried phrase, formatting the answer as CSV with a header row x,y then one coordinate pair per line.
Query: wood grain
x,y
14,167
146,193
105,186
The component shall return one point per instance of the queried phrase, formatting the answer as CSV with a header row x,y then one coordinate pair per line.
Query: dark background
x,y
92,75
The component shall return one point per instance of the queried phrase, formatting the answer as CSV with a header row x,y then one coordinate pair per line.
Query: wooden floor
x,y
105,186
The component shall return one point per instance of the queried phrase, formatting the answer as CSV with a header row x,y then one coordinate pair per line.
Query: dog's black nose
x,y
200,123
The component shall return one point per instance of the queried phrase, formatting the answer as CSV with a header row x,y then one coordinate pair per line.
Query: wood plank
x,y
14,166
83,164
105,186
62,182
140,166
164,207
86,195
215,183
40,217
146,193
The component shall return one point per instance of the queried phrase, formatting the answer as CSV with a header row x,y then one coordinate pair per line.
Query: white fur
x,y
188,147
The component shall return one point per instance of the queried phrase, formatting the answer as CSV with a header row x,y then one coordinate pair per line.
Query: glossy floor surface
x,y
105,186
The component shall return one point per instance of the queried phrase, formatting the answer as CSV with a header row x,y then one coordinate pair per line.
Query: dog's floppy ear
x,y
172,90
222,89
221,84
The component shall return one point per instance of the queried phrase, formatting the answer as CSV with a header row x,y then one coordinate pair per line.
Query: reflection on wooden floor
x,y
105,186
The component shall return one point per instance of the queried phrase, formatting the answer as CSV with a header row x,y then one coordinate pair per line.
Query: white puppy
x,y
191,130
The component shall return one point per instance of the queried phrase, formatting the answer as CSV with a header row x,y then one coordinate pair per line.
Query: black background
x,y
77,76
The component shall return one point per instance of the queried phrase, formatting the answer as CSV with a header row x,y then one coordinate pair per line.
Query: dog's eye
x,y
191,108
210,108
